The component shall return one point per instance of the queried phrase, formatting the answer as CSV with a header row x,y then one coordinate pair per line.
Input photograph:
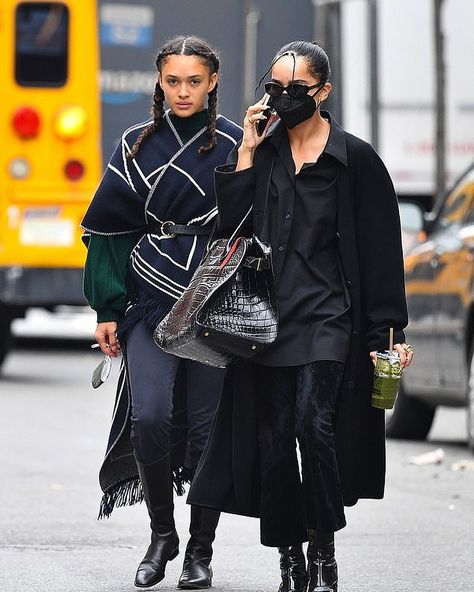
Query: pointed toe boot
x,y
158,492
197,571
294,577
152,568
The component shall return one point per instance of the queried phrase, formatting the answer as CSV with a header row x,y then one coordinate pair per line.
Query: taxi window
x,y
458,206
41,43
470,214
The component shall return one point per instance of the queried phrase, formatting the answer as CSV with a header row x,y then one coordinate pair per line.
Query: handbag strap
x,y
267,191
234,234
228,246
257,263
241,223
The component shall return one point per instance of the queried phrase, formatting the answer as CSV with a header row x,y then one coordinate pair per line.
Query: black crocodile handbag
x,y
229,310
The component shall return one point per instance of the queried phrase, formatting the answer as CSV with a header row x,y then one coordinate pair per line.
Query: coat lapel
x,y
347,237
262,188
280,142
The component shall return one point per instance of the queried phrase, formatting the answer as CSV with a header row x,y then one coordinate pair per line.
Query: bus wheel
x,y
6,337
410,419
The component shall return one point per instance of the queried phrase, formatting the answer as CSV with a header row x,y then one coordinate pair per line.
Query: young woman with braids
x,y
324,200
146,228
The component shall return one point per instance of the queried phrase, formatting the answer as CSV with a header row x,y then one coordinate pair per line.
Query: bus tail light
x,y
70,123
74,170
26,122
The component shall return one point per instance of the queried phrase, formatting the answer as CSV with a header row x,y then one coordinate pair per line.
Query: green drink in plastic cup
x,y
387,376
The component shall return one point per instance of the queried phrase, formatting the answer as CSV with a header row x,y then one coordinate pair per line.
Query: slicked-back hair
x,y
315,56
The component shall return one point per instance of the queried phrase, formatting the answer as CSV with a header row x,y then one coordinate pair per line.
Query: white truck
x,y
406,73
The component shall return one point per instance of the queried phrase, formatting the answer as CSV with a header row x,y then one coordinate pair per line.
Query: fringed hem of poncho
x,y
144,308
130,491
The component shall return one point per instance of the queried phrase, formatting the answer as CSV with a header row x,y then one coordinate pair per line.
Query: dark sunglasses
x,y
295,89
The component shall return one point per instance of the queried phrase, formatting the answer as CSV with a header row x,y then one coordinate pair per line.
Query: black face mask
x,y
294,110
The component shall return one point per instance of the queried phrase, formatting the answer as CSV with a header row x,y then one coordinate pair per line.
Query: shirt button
x,y
338,235
288,216
281,248
348,283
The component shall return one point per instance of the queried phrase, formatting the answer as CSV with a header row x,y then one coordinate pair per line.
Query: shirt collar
x,y
335,146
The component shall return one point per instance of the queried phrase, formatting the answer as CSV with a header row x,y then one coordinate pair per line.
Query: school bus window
x,y
41,44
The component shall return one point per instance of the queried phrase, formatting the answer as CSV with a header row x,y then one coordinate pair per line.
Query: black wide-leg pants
x,y
152,374
298,403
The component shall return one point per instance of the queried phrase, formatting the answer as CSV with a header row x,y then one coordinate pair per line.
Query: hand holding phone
x,y
256,121
262,123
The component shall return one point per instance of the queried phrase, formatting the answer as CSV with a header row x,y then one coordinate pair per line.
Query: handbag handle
x,y
228,247
229,241
237,229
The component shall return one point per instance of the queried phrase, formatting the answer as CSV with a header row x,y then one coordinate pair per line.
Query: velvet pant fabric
x,y
152,374
298,403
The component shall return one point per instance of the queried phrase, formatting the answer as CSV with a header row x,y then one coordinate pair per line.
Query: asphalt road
x,y
53,430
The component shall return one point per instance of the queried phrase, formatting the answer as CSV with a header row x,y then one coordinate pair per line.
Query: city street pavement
x,y
53,430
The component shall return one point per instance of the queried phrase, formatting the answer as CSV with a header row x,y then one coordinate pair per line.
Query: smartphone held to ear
x,y
262,123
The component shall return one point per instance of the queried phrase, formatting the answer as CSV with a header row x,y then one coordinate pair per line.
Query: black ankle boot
x,y
293,569
197,571
322,566
158,492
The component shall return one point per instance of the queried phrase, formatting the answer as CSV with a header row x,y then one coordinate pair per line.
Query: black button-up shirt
x,y
301,224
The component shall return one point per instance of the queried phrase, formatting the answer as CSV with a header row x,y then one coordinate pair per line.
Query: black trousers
x,y
298,403
152,374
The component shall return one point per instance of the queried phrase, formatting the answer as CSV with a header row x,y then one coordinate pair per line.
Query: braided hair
x,y
189,46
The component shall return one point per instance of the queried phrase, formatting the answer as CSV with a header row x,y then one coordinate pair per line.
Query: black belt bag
x,y
229,309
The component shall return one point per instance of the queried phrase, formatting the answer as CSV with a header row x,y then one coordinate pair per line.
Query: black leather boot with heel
x,y
197,571
157,486
322,566
294,577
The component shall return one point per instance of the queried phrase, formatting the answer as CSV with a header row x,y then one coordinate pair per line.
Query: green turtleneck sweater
x,y
107,256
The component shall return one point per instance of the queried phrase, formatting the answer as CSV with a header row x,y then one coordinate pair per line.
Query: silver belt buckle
x,y
163,229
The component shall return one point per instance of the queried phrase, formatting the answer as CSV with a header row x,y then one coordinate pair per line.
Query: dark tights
x,y
298,403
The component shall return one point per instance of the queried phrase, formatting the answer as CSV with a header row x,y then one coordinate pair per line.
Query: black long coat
x,y
369,244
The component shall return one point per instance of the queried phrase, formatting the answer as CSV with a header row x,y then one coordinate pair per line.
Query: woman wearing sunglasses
x,y
324,201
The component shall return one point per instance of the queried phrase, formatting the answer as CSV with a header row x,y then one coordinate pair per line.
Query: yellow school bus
x,y
50,158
